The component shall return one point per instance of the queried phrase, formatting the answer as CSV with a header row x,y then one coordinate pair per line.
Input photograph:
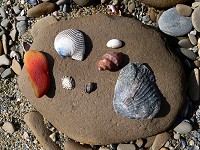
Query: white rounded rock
x,y
114,43
184,127
8,127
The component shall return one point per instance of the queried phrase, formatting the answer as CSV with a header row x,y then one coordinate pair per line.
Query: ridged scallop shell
x,y
68,82
114,43
136,95
70,43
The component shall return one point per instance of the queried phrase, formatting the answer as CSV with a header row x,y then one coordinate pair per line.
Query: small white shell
x,y
70,43
114,43
68,82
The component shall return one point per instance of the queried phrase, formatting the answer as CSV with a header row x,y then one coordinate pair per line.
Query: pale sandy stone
x,y
160,140
72,145
8,127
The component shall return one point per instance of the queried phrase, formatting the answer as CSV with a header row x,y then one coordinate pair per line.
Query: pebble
x,y
16,9
35,122
25,135
197,63
21,27
21,18
61,2
160,140
8,127
126,147
1,48
172,23
104,148
5,43
196,18
183,10
192,39
185,43
4,60
72,145
83,2
41,24
149,141
2,69
8,73
2,12
139,143
184,127
164,148
16,67
42,9
32,2
2,31
152,14
193,85
195,5
131,7
5,23
53,136
177,136
13,34
188,53
15,55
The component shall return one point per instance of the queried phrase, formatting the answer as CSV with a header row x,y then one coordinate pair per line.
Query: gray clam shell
x,y
136,95
70,43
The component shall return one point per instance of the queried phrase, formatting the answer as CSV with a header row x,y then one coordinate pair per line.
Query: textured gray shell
x,y
70,43
136,95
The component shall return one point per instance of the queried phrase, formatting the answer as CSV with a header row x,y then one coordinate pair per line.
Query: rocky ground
x,y
15,31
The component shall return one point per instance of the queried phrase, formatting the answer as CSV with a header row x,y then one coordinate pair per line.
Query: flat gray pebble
x,y
5,23
2,31
21,27
192,39
3,12
8,73
21,18
172,23
188,53
61,2
185,43
4,60
126,147
16,9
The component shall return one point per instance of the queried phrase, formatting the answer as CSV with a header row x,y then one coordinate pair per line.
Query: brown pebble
x,y
139,143
72,145
183,10
16,67
164,148
1,48
35,122
197,63
42,9
160,140
153,14
193,87
149,141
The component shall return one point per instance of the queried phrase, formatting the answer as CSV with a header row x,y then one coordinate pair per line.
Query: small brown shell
x,y
110,61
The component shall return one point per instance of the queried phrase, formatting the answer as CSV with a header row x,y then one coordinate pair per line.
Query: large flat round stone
x,y
90,118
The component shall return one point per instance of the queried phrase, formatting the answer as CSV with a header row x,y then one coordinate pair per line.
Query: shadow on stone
x,y
164,106
88,45
52,88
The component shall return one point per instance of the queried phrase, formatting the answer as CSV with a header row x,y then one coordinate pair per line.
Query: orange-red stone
x,y
38,71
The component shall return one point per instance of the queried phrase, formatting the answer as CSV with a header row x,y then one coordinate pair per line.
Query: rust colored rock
x,y
38,72
42,9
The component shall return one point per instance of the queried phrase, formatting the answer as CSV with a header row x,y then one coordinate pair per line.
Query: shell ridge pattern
x,y
70,43
136,95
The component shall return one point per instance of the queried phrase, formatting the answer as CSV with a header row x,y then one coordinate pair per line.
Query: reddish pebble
x,y
38,72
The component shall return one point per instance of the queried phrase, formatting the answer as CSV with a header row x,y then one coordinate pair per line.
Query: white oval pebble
x,y
4,60
104,148
184,127
114,43
8,127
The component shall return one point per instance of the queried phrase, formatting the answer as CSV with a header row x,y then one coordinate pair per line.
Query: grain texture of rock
x,y
163,3
42,9
35,122
90,118
83,2
193,87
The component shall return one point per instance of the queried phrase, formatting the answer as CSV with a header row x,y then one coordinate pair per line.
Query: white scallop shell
x,y
114,43
68,82
70,43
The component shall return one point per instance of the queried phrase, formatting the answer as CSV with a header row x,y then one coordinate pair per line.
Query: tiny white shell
x,y
68,82
114,43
